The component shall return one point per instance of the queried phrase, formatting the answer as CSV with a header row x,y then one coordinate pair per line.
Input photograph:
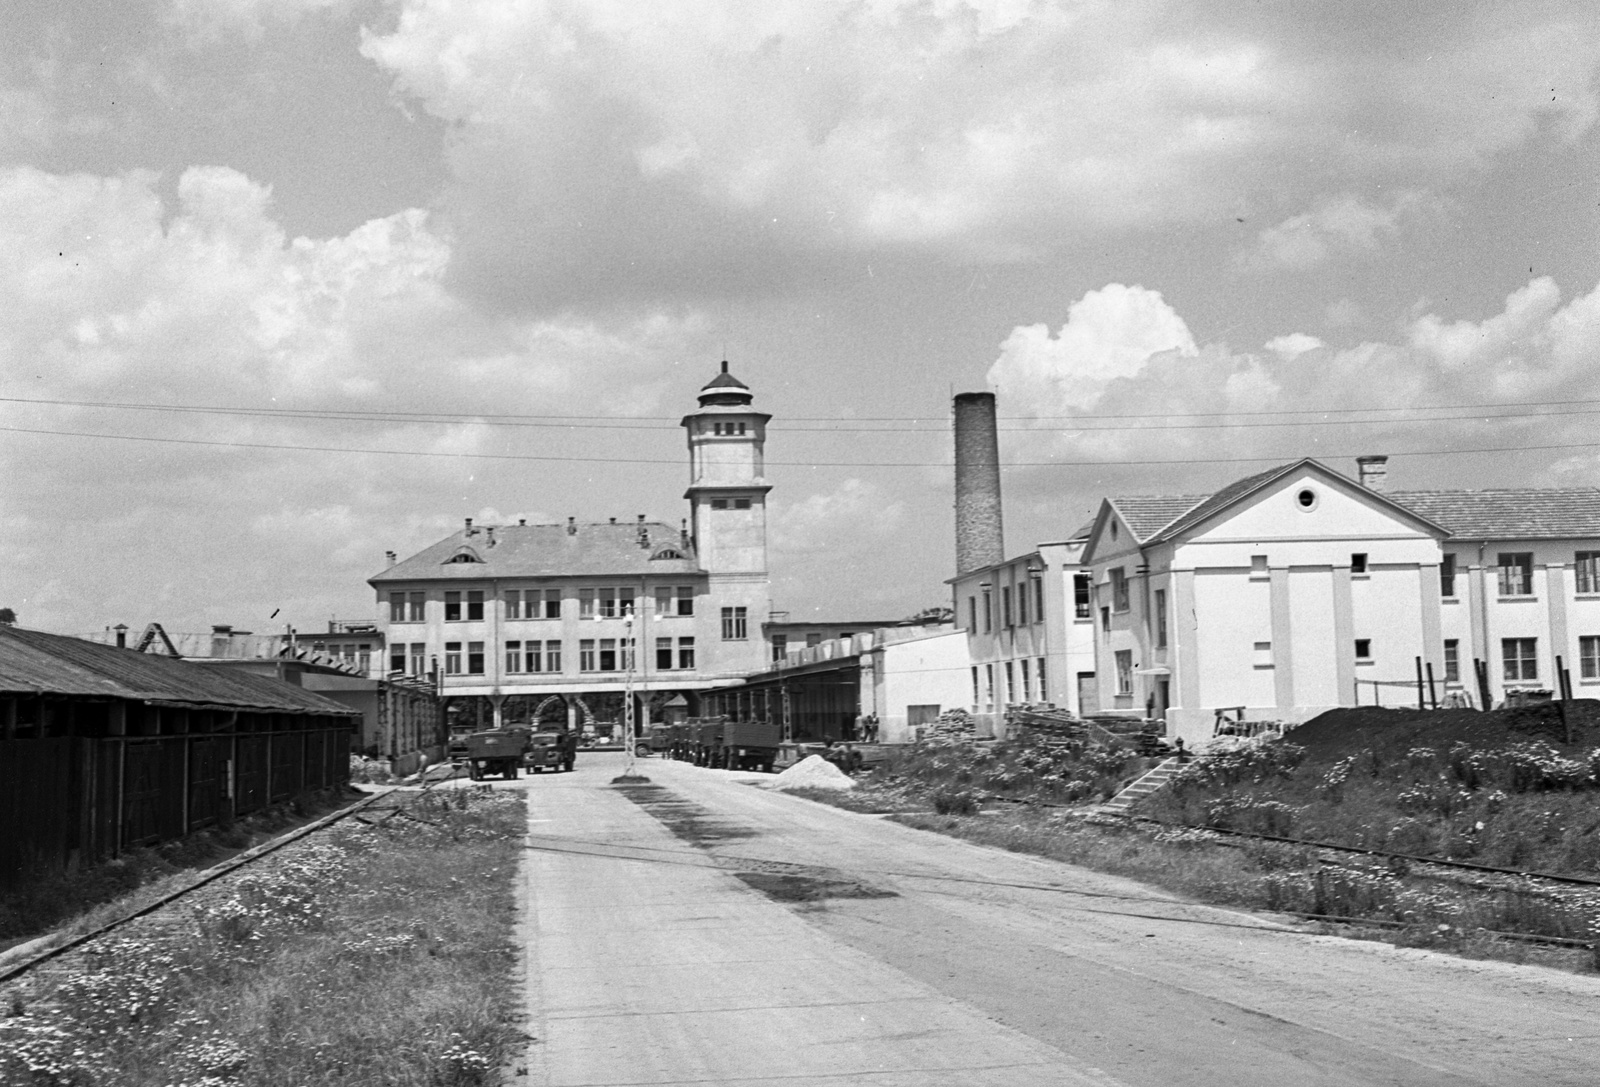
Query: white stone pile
x,y
813,772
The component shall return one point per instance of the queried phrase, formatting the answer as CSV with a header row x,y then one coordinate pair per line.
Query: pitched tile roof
x,y
1521,514
607,549
1220,500
33,662
1148,514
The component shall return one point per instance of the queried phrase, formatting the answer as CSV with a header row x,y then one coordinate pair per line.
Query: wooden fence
x,y
72,800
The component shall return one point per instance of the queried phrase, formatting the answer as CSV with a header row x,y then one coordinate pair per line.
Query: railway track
x,y
31,963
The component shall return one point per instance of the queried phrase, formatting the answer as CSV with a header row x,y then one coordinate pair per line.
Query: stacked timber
x,y
952,724
1045,722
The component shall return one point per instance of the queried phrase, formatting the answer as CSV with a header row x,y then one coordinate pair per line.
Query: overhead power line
x,y
1120,461
1082,424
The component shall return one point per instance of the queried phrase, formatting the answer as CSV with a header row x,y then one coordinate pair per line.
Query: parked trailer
x,y
749,745
498,751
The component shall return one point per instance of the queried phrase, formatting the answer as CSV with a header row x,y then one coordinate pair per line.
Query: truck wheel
x,y
766,767
569,764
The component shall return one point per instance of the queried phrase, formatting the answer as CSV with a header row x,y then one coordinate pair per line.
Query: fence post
x,y
1433,691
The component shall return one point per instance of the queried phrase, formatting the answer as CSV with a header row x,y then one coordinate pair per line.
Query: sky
x,y
286,284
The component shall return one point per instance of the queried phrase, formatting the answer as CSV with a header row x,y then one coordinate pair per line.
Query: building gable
x,y
1309,503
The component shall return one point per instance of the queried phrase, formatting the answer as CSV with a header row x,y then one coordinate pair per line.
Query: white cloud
x,y
1535,350
112,296
691,137
1109,334
1339,224
829,523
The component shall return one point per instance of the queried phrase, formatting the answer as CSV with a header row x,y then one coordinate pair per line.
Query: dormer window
x,y
667,553
465,554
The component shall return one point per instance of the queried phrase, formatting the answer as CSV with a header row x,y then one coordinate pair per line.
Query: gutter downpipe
x,y
1480,609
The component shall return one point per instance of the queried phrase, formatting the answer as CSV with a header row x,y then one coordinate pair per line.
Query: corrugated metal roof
x,y
608,550
1148,514
33,662
1522,514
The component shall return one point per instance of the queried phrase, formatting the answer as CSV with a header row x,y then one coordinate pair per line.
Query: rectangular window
x,y
552,656
514,604
586,655
397,607
1124,671
685,599
1009,695
475,606
1161,618
1082,608
988,679
976,700
419,658
608,655
1586,570
664,654
719,503
812,639
552,603
625,606
416,604
608,603
1027,682
1022,604
1105,621
735,625
1258,566
972,614
1447,576
1005,606
585,603
741,503
1516,573
532,658
1520,657
1038,600
1262,656
514,657
475,658
988,611
452,658
780,646
1044,689
1589,657
663,600
686,654
1358,562
397,657
452,607
1119,589
1363,649
1452,660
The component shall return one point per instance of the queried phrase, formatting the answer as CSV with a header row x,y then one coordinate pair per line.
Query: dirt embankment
x,y
1340,732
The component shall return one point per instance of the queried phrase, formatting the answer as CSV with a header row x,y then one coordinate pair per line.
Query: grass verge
x,y
367,954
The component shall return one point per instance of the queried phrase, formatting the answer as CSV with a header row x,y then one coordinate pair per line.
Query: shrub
x,y
955,802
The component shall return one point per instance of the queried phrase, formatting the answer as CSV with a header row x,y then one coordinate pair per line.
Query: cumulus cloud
x,y
682,142
1109,334
1209,410
112,295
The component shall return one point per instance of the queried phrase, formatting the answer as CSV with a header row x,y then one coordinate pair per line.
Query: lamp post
x,y
630,741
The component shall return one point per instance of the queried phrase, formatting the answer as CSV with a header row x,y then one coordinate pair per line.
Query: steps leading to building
x,y
1152,780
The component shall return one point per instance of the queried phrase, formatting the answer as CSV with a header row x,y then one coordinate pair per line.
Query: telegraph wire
x,y
1084,423
1271,458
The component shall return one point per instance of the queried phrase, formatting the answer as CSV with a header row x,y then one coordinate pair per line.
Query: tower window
x,y
741,428
719,503
741,503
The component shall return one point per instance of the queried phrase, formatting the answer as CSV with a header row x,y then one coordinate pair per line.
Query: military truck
x,y
550,750
494,752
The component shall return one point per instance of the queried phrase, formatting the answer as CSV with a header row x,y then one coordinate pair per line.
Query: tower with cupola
x,y
727,498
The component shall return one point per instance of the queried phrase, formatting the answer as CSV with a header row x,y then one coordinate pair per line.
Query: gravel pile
x,y
813,772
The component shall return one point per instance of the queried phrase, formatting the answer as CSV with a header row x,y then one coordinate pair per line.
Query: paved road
x,y
703,930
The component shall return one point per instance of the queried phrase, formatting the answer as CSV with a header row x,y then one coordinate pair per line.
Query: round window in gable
x,y
1307,499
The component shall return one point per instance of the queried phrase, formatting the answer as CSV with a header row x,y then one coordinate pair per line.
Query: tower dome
x,y
725,390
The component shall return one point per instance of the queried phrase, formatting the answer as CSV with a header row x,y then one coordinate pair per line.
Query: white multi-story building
x,y
1299,590
555,621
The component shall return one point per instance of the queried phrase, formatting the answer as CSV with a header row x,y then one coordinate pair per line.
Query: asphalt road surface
x,y
704,930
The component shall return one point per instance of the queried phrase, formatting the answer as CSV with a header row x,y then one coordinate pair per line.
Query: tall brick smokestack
x,y
980,538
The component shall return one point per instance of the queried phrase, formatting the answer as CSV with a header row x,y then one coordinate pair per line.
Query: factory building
x,y
556,623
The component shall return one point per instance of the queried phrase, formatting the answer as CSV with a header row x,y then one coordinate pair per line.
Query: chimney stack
x,y
390,557
469,526
572,526
980,535
1373,472
122,635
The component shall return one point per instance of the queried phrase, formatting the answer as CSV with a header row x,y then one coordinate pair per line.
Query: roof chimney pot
x,y
572,526
390,557
980,538
1373,472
